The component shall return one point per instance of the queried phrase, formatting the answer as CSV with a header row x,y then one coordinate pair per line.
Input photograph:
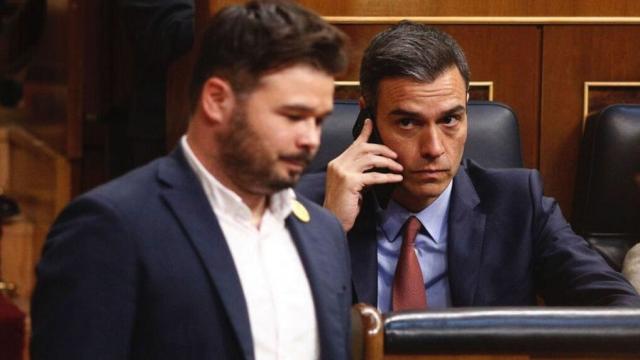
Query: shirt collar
x,y
432,217
225,200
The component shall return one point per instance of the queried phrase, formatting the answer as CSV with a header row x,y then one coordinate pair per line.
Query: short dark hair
x,y
411,50
243,42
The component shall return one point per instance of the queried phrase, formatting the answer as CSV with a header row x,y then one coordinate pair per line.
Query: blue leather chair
x,y
607,200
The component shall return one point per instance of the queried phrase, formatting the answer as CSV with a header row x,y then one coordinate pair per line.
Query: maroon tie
x,y
408,285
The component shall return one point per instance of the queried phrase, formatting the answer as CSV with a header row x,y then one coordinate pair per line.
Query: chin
x,y
426,193
278,183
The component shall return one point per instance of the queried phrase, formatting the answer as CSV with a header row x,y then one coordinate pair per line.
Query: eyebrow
x,y
303,109
401,112
455,110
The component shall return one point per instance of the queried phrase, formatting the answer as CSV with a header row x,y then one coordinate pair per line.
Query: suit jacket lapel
x,y
319,269
466,234
364,253
185,196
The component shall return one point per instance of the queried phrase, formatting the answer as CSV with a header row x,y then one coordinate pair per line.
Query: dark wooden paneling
x,y
179,77
46,80
571,56
599,97
467,7
507,55
352,92
480,93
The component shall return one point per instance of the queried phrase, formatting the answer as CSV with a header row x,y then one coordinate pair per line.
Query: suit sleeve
x,y
83,306
568,271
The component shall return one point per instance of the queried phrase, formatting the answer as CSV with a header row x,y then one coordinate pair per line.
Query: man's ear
x,y
217,99
362,103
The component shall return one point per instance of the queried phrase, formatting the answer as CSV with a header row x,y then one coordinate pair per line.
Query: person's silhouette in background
x,y
159,31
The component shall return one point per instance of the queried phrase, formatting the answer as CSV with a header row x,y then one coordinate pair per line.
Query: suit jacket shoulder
x,y
527,247
144,265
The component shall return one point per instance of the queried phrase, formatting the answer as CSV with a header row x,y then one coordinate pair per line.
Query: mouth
x,y
430,171
430,174
297,163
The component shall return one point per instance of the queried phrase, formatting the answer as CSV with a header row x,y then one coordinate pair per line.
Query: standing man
x,y
450,235
208,253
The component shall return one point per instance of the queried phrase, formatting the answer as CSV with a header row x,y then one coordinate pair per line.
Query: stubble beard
x,y
247,159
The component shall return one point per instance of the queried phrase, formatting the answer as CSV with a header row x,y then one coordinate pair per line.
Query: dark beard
x,y
246,159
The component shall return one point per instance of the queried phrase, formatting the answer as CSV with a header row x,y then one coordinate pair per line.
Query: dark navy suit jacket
x,y
507,244
139,269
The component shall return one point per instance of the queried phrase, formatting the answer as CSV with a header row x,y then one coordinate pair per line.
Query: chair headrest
x,y
607,197
493,138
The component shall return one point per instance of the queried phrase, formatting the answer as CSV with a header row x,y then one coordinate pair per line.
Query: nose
x,y
431,146
309,134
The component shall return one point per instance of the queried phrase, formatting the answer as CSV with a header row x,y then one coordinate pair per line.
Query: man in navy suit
x,y
486,237
208,253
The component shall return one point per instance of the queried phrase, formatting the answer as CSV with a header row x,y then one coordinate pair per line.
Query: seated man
x,y
208,253
450,235
631,266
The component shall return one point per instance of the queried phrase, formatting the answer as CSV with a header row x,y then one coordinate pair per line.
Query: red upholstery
x,y
11,330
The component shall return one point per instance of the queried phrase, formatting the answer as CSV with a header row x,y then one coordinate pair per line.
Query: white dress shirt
x,y
273,279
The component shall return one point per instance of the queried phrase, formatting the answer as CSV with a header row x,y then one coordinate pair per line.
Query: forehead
x,y
447,91
299,85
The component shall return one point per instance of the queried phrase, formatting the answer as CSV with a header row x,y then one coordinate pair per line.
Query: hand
x,y
347,175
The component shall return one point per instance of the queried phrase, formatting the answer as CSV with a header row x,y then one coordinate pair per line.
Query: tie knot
x,y
411,229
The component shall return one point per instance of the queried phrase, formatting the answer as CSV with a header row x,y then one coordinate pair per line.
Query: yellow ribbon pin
x,y
300,211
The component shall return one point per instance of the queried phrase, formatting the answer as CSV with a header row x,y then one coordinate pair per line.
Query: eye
x,y
451,120
406,123
295,117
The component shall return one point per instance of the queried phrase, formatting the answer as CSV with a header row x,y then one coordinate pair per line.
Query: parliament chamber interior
x,y
555,86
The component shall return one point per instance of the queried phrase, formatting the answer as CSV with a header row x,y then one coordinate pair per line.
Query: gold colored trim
x,y
589,84
347,83
488,84
501,20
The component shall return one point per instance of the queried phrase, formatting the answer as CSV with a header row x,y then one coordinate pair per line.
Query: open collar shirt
x,y
274,282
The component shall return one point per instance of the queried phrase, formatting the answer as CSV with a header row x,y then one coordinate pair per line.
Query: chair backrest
x,y
607,200
493,139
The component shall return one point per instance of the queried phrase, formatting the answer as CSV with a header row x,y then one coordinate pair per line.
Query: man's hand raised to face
x,y
348,175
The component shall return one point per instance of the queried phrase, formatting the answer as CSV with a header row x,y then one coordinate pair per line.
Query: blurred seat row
x,y
496,333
